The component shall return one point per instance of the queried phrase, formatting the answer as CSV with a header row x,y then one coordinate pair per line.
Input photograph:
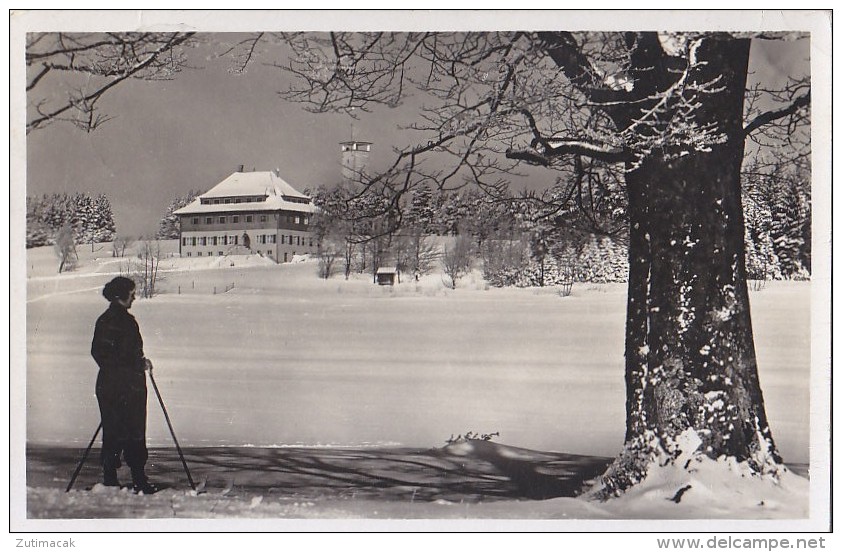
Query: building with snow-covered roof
x,y
248,212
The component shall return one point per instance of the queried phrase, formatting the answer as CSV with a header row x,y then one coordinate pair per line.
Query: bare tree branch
x,y
117,57
776,114
34,82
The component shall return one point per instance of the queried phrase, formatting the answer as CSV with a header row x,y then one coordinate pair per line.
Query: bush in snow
x,y
471,436
457,259
503,261
65,247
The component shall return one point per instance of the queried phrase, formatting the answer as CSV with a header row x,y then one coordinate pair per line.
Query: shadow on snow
x,y
472,471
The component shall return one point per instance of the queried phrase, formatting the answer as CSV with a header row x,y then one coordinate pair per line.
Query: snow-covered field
x,y
251,353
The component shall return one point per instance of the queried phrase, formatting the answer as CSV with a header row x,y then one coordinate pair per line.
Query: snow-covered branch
x,y
565,51
556,147
109,60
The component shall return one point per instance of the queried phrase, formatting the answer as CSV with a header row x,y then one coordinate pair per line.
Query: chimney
x,y
240,168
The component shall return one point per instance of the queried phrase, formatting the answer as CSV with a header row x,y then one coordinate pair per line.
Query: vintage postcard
x,y
476,271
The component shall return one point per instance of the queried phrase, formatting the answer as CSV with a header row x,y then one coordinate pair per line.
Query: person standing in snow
x,y
117,348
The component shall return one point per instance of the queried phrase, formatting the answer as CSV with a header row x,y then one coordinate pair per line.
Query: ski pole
x,y
172,432
82,461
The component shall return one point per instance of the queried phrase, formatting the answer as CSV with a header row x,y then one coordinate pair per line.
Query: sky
x,y
166,138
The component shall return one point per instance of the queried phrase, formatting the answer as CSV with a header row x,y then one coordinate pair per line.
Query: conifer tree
x,y
104,225
170,228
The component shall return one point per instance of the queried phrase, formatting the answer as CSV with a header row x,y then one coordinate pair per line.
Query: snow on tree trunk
x,y
691,369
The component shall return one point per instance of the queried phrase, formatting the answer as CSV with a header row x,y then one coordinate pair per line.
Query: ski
x,y
100,488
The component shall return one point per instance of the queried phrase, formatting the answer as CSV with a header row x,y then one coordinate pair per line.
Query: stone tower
x,y
354,160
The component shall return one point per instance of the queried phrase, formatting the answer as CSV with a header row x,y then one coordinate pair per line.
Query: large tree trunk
x,y
691,370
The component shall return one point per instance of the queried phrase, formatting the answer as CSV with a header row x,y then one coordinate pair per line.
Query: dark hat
x,y
118,288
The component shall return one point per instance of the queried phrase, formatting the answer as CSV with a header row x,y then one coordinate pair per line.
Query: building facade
x,y
247,213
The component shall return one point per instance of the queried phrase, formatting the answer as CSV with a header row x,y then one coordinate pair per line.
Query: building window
x,y
311,242
290,239
199,254
195,220
216,202
274,238
297,220
227,200
235,219
233,240
306,220
194,241
208,220
238,200
189,254
248,218
221,220
285,257
262,218
219,253
183,241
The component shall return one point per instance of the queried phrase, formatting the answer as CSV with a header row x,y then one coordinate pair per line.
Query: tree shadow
x,y
539,475
474,471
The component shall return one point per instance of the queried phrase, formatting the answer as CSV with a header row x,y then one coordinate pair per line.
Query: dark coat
x,y
117,344
117,348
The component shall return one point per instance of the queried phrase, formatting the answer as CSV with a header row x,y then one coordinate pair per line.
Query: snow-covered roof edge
x,y
253,183
266,184
271,204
